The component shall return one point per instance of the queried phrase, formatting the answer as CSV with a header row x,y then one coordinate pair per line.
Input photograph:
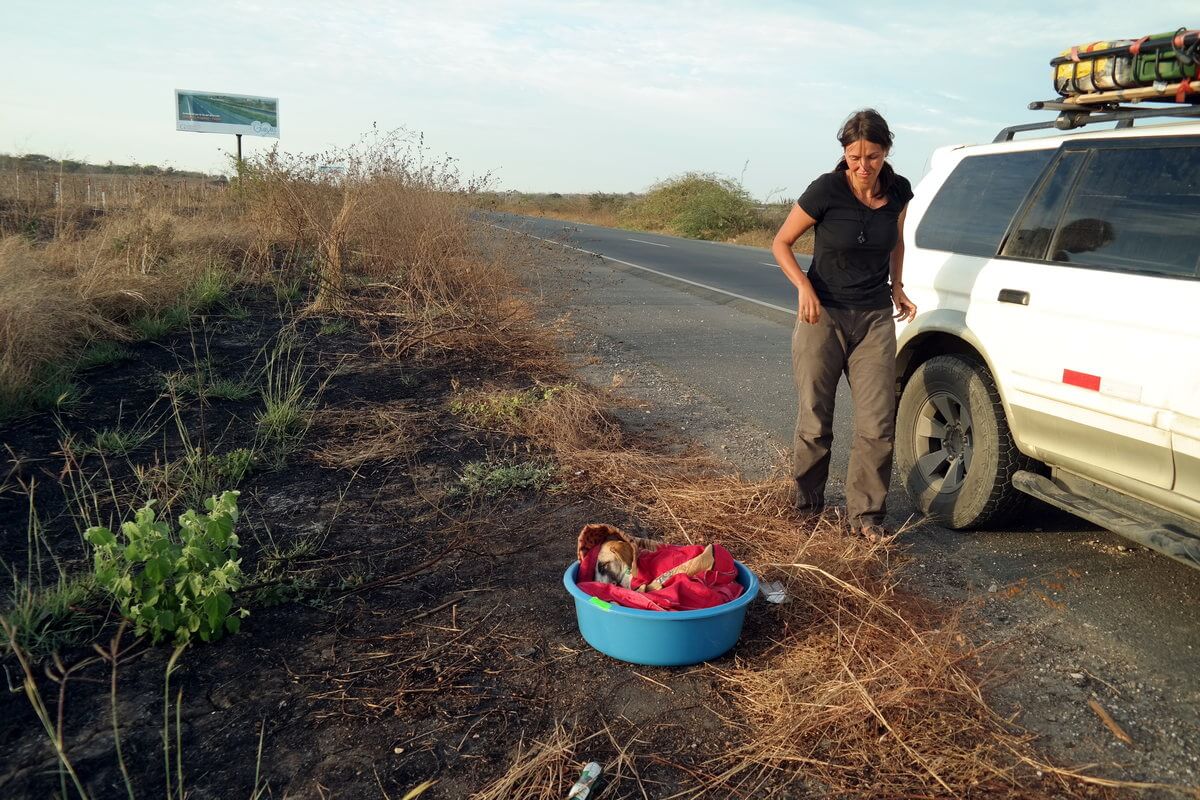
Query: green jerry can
x,y
1165,64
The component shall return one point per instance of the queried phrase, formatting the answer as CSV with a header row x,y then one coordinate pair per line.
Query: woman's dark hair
x,y
870,125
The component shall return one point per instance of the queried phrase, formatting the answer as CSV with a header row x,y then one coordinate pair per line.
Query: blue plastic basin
x,y
661,638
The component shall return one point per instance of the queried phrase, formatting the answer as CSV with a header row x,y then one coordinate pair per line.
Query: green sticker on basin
x,y
596,601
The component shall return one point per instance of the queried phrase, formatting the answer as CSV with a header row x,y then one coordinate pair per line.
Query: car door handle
x,y
1014,296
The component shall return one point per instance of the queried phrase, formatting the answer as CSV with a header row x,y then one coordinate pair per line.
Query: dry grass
x,y
46,205
384,434
398,221
547,768
54,297
40,311
542,770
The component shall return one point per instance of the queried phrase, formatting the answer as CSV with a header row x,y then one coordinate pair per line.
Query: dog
x,y
615,564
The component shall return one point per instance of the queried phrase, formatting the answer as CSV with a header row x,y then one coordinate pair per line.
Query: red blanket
x,y
680,593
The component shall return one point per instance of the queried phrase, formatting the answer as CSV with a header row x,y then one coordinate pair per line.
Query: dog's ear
x,y
594,534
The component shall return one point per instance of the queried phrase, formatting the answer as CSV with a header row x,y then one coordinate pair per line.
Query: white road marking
x,y
648,269
643,241
765,264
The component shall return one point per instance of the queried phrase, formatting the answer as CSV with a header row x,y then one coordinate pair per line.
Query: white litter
x,y
583,787
774,592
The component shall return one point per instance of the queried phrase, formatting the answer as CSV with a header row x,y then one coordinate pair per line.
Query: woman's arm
x,y
808,307
905,308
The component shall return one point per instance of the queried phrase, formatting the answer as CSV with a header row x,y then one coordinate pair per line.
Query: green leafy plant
x,y
234,466
174,583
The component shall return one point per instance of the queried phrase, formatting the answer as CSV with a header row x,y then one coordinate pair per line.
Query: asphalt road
x,y
1069,600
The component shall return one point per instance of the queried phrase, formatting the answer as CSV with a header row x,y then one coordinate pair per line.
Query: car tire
x,y
955,454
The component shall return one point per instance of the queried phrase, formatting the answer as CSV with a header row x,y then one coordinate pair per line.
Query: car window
x,y
1031,237
973,208
1134,209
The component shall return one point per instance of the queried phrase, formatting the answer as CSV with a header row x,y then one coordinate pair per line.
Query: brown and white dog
x,y
618,557
615,564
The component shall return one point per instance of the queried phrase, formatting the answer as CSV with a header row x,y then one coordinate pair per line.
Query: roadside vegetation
x,y
304,534
697,205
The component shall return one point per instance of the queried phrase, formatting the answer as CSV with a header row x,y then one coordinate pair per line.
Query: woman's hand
x,y
906,309
809,307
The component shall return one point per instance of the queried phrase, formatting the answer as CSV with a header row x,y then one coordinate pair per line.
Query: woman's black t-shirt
x,y
847,272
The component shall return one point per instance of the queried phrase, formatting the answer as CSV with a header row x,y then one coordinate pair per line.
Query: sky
x,y
548,95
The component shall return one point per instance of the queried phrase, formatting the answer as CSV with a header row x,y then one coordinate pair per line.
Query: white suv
x,y
1057,352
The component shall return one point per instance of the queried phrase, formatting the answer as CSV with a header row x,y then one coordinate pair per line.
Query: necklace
x,y
865,212
864,217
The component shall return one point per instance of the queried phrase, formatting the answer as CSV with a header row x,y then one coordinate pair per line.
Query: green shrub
x,y
174,583
700,205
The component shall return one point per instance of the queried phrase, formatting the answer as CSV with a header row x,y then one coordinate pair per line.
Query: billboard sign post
x,y
239,114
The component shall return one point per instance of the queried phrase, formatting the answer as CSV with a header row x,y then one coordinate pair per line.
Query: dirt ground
x,y
413,637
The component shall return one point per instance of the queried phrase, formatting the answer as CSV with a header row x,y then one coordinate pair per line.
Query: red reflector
x,y
1081,379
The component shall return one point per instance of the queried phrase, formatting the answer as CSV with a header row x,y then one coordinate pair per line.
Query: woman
x,y
844,322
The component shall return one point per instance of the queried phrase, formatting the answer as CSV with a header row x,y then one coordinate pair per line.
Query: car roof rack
x,y
1075,115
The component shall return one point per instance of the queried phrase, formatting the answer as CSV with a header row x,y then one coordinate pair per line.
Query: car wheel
x,y
954,451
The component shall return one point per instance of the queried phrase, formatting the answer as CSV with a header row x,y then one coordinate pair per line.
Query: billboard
x,y
208,112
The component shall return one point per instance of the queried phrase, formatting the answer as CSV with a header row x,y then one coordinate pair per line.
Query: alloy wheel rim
x,y
945,442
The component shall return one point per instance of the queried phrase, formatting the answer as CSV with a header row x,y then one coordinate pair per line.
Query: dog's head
x,y
615,563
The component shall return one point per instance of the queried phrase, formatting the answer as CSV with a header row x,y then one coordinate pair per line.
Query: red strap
x,y
1136,47
1074,53
1185,88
